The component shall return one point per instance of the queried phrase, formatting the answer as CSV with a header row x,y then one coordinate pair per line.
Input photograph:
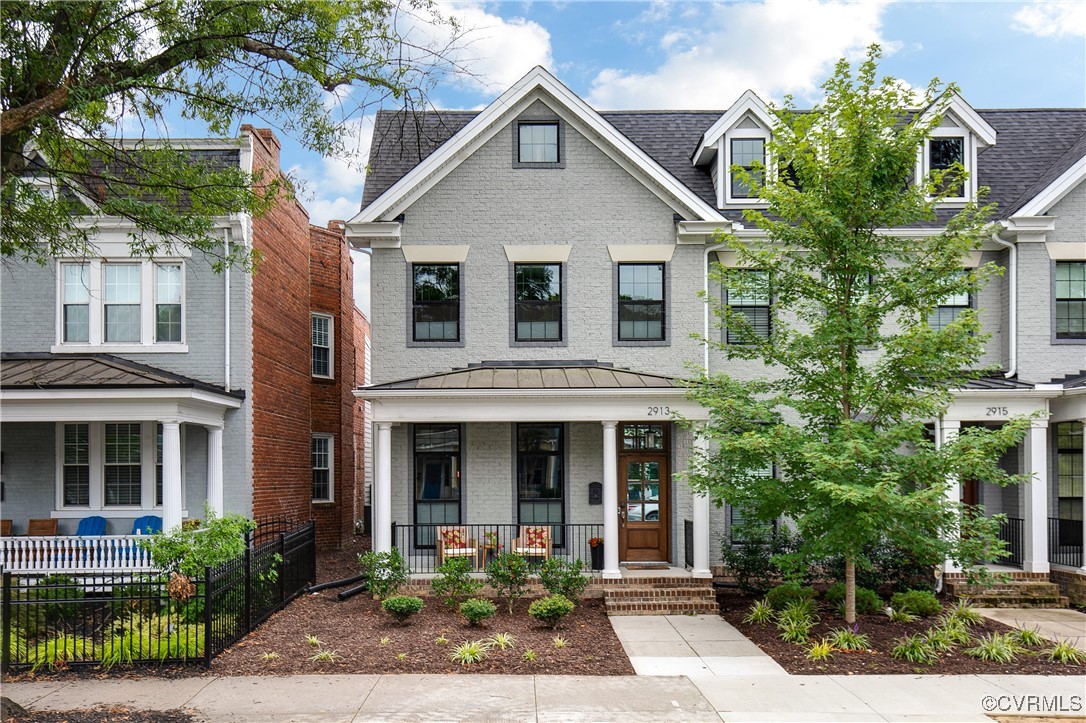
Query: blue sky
x,y
704,55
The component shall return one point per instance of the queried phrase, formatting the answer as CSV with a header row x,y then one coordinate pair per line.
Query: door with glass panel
x,y
644,485
437,479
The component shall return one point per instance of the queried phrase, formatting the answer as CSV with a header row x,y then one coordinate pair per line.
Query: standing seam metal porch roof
x,y
533,377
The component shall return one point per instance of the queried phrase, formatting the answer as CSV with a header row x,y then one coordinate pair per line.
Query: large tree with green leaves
x,y
83,82
854,372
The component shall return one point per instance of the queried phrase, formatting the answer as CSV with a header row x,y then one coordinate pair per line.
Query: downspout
x,y
1012,305
226,313
705,276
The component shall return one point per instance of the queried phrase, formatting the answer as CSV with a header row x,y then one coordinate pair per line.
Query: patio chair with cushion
x,y
534,541
454,542
41,528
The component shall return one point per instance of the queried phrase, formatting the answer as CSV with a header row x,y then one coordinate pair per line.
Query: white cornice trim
x,y
955,104
1054,193
100,395
749,102
451,153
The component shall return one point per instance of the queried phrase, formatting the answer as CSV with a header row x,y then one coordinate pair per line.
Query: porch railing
x,y
1065,542
417,543
108,553
1012,532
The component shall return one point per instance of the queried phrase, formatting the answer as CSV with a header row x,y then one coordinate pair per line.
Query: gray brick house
x,y
536,269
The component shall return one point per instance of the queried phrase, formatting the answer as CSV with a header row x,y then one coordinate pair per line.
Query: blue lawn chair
x,y
92,526
147,525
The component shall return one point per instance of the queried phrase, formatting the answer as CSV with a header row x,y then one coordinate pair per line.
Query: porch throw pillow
x,y
537,536
453,539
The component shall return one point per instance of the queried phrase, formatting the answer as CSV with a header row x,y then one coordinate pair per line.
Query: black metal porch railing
x,y
1012,532
688,543
1065,542
417,543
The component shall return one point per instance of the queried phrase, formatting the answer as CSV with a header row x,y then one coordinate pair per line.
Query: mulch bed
x,y
884,635
100,715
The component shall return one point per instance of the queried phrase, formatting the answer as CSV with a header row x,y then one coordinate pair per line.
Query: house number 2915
x,y
996,411
659,411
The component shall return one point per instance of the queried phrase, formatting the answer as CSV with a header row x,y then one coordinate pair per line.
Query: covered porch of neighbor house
x,y
97,439
589,452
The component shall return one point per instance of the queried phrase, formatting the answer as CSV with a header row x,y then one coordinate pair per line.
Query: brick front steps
x,y
1023,590
660,596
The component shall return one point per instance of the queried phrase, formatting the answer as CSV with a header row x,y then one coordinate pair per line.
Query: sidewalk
x,y
1052,623
571,698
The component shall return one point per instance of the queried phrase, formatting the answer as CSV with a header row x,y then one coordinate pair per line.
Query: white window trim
x,y
724,157
331,468
96,310
97,457
331,345
969,160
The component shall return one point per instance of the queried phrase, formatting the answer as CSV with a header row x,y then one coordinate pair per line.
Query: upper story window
x,y
538,311
641,302
537,142
748,295
122,304
944,154
949,309
749,153
1071,300
435,312
321,331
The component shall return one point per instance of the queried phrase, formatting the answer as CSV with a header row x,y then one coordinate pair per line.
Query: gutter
x,y
705,276
1012,305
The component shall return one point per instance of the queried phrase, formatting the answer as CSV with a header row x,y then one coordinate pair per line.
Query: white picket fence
x,y
104,554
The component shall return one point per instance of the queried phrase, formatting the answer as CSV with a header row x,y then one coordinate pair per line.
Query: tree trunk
x,y
850,589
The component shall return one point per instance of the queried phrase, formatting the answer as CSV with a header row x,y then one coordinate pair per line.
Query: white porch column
x,y
171,475
214,469
382,489
1035,498
950,431
610,501
701,522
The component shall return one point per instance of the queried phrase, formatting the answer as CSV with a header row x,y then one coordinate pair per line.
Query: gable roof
x,y
1035,147
538,83
749,102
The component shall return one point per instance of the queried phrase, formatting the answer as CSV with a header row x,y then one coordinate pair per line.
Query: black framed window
x,y
436,302
76,465
949,309
541,477
641,302
1069,482
748,153
740,523
1071,300
538,143
943,154
437,478
538,313
748,294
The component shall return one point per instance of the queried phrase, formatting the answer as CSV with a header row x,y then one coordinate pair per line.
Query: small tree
x,y
509,575
857,372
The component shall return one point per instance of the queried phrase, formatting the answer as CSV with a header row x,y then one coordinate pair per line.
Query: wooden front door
x,y
643,483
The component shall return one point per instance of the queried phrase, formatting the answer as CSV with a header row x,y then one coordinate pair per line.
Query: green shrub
x,y
966,614
1028,638
385,572
994,648
756,564
795,621
469,653
476,610
402,607
551,610
900,616
954,630
868,601
940,640
65,591
822,650
189,551
917,602
454,583
849,639
563,578
760,613
783,595
509,575
1065,652
914,649
140,597
884,566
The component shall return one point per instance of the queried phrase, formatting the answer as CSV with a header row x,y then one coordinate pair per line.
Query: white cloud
x,y
773,48
1052,18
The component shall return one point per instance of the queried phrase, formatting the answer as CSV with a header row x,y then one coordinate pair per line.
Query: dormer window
x,y
959,137
944,154
749,153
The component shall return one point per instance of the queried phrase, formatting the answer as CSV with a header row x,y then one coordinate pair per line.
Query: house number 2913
x,y
659,411
996,411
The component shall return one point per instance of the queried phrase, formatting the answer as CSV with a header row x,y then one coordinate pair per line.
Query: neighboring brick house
x,y
536,268
134,387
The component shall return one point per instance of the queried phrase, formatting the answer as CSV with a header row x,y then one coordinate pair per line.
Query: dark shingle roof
x,y
102,371
1033,147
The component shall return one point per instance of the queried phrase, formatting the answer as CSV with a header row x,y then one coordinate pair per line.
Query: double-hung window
x,y
321,455
949,309
167,302
123,479
538,310
122,303
748,153
1069,482
75,478
321,327
437,478
435,309
641,302
75,307
541,477
747,294
1071,299
740,524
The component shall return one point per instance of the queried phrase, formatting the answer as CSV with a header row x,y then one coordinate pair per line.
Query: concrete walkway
x,y
571,698
690,645
1054,624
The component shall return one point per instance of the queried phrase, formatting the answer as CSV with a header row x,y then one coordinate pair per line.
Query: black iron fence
x,y
688,543
1012,532
56,621
481,542
1065,542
